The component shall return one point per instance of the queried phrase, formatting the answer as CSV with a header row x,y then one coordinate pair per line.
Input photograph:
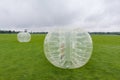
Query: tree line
x,y
108,33
8,31
13,31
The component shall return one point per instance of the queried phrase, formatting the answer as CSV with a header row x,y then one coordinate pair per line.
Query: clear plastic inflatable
x,y
68,48
24,37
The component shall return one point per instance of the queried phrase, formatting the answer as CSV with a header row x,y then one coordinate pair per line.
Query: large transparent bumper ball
x,y
68,48
23,37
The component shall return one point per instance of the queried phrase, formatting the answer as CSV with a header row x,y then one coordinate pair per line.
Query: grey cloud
x,y
94,15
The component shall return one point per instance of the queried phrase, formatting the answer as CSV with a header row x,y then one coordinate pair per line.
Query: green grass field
x,y
26,61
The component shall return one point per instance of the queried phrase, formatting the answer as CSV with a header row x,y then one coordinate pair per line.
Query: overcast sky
x,y
43,15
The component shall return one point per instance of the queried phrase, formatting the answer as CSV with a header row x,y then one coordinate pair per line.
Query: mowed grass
x,y
26,61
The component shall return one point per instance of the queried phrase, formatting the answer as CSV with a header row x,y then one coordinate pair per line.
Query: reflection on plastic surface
x,y
68,48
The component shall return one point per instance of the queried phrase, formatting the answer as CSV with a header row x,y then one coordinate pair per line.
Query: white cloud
x,y
94,15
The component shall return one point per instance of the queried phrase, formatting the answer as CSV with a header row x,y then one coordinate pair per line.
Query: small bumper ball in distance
x,y
24,37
